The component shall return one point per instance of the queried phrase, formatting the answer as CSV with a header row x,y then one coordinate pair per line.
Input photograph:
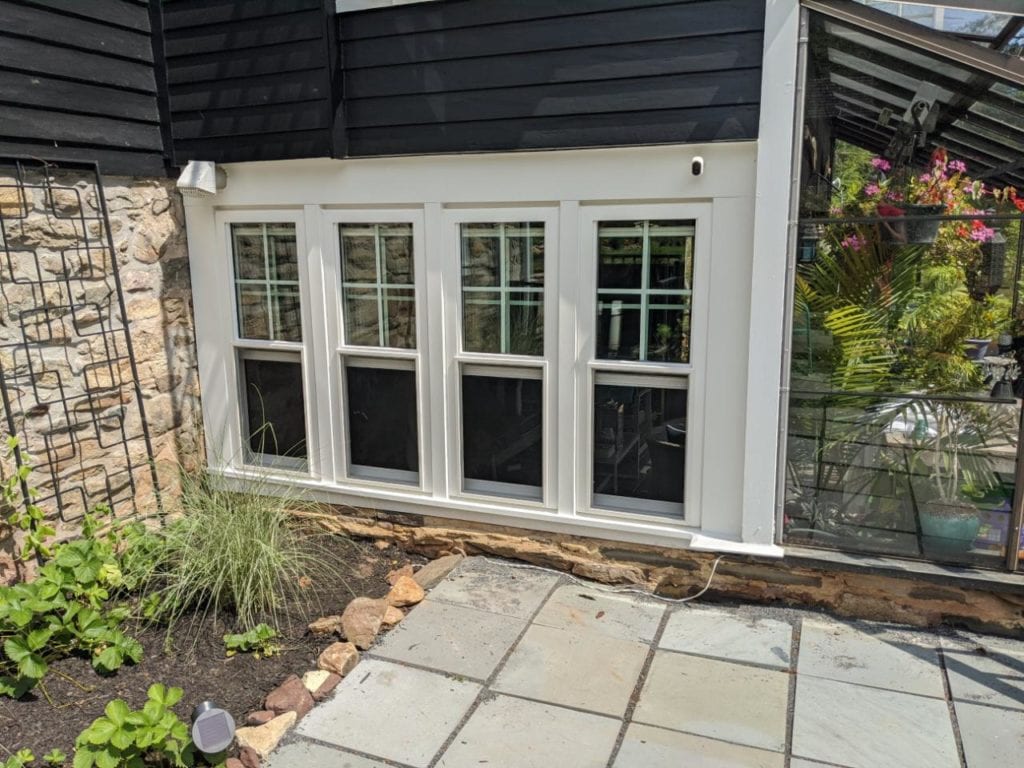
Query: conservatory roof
x,y
871,67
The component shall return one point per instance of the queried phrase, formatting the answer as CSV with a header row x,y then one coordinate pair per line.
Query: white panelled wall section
x,y
554,340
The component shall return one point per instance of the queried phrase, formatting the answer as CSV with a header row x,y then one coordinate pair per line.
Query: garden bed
x,y
73,695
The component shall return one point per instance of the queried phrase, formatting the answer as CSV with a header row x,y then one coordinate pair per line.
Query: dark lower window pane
x,y
639,443
382,418
502,429
275,409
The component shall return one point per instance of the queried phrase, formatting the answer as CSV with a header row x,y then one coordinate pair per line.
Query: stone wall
x,y
69,378
907,598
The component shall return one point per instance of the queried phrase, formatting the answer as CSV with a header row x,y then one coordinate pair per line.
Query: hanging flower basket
x,y
921,231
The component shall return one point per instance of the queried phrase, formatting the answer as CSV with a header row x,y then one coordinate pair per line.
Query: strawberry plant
x,y
259,641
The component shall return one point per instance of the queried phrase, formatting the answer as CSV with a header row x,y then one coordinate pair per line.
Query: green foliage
x,y
243,552
63,611
20,759
123,738
259,641
30,519
55,757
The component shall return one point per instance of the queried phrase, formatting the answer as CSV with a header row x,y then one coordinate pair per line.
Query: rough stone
x,y
405,592
315,678
290,696
326,687
392,616
325,625
432,573
339,658
263,738
395,575
260,717
361,621
381,544
234,762
250,757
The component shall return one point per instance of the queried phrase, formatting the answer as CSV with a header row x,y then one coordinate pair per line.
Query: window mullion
x,y
645,284
503,287
271,325
378,256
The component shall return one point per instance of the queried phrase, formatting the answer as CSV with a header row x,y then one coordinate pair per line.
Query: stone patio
x,y
504,667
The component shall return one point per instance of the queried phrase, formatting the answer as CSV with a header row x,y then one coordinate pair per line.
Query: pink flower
x,y
871,190
958,166
894,195
924,178
881,164
853,242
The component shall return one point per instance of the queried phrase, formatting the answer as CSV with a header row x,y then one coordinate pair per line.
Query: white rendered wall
x,y
563,183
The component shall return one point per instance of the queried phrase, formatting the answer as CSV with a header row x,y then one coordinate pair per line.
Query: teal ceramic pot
x,y
948,527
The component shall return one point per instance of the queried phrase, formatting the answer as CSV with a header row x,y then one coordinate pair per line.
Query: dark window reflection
x,y
639,442
502,429
275,409
382,418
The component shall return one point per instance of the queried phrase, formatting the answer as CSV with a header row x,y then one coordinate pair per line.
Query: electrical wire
x,y
612,590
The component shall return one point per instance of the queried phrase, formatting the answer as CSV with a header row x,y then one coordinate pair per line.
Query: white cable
x,y
614,590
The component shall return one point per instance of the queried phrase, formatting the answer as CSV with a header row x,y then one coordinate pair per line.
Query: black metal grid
x,y
69,383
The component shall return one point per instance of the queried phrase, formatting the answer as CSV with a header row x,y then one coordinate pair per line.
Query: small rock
x,y
260,717
233,762
314,679
339,658
249,757
329,685
325,625
431,573
381,544
263,738
290,696
395,575
405,592
392,616
361,620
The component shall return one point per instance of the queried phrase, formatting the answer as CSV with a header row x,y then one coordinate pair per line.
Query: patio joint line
x,y
641,679
344,751
423,668
737,662
485,691
794,660
951,704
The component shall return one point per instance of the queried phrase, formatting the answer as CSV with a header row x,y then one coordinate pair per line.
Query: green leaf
x,y
100,732
106,759
109,660
16,649
121,739
55,757
117,711
84,758
38,638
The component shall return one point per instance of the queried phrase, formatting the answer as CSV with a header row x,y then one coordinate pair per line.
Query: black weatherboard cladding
x,y
77,82
489,75
250,80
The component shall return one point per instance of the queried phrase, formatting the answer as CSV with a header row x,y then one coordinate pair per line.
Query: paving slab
x,y
581,669
495,587
723,635
451,638
897,661
391,711
992,738
626,616
507,732
732,702
863,727
301,753
984,673
648,747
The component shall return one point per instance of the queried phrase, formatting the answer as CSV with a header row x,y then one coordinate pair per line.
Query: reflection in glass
x,y
644,283
382,419
503,287
267,273
502,430
274,409
639,447
377,285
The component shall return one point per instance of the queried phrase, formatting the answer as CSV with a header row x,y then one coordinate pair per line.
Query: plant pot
x,y
921,231
948,526
976,349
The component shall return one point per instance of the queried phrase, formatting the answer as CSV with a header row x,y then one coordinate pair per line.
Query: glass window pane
x,y
266,264
502,430
507,258
401,317
382,418
375,259
275,411
362,321
671,261
253,318
618,326
639,447
620,246
669,327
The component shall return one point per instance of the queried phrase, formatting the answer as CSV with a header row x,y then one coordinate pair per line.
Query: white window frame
x,y
234,443
636,373
342,353
457,361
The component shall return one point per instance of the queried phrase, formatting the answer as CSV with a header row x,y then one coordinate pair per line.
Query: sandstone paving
x,y
513,668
